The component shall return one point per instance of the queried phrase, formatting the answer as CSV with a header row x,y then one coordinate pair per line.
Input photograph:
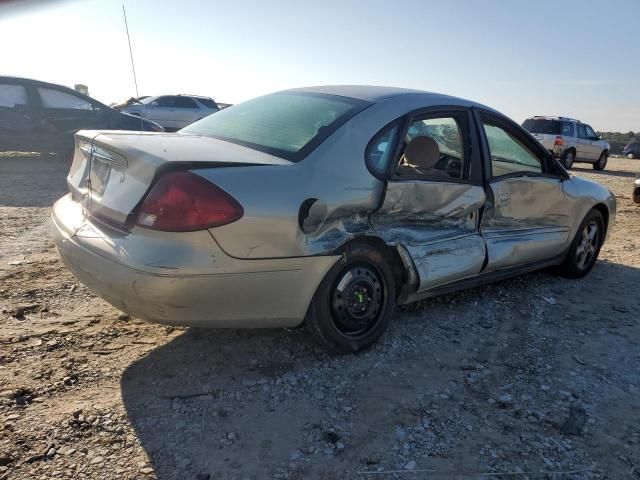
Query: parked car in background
x,y
631,150
330,204
37,116
569,140
173,112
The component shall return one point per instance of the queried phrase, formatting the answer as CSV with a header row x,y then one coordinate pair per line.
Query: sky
x,y
572,58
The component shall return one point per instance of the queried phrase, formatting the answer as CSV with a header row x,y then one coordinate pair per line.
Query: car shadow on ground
x,y
605,172
32,180
251,403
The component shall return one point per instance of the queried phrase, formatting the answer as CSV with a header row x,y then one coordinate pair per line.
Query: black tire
x,y
568,158
602,161
355,301
630,156
581,256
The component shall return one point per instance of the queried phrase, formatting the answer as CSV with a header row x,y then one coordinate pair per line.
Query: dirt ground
x,y
530,377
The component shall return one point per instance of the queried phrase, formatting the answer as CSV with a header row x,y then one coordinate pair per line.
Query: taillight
x,y
558,140
184,202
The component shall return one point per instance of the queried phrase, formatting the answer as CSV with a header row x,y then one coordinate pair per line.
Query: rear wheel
x,y
354,302
568,158
602,161
630,156
585,247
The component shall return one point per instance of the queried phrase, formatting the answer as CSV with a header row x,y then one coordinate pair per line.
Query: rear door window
x,y
52,98
567,129
185,102
435,149
165,102
12,95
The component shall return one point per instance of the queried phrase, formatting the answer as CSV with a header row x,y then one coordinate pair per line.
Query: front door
x,y
594,143
583,144
527,218
433,199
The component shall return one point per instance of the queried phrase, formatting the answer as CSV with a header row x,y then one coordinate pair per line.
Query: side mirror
x,y
599,137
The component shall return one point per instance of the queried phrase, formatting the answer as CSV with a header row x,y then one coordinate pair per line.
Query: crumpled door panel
x,y
437,223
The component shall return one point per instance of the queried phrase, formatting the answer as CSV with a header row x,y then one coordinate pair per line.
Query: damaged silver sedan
x,y
328,205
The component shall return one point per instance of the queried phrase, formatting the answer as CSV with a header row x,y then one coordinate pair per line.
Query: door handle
x,y
503,199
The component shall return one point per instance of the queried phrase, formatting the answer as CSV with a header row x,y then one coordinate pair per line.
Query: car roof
x,y
187,95
40,83
374,94
553,117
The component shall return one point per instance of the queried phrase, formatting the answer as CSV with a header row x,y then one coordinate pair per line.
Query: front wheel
x,y
353,304
585,247
630,156
602,161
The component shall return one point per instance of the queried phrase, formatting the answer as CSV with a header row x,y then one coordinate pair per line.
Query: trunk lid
x,y
112,171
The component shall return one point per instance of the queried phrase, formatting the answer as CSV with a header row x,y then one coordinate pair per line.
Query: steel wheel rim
x,y
587,245
357,300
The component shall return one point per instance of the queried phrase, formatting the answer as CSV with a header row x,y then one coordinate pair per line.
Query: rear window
x,y
12,95
548,127
287,124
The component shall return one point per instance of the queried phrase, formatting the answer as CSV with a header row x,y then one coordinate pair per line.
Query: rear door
x,y
163,111
583,145
527,217
64,113
187,111
431,208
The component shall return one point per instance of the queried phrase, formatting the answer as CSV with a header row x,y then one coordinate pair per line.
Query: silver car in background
x,y
569,140
328,205
173,112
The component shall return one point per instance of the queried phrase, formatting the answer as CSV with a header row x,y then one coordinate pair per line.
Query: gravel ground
x,y
537,374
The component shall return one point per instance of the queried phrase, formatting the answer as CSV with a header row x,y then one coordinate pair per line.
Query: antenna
x,y
135,80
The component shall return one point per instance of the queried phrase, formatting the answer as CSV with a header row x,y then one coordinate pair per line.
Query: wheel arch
x,y
604,210
389,252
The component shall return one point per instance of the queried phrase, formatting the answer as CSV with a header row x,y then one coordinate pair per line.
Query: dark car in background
x,y
632,150
37,116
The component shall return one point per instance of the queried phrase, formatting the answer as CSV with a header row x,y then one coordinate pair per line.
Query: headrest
x,y
422,152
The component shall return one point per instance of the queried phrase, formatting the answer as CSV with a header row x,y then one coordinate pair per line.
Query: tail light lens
x,y
185,202
558,140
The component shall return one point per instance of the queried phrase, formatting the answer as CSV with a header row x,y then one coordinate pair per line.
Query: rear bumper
x,y
184,278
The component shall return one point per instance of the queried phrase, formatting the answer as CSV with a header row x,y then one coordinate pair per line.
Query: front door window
x,y
509,155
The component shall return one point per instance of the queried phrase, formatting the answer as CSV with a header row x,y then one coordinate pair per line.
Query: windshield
x,y
548,127
287,124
